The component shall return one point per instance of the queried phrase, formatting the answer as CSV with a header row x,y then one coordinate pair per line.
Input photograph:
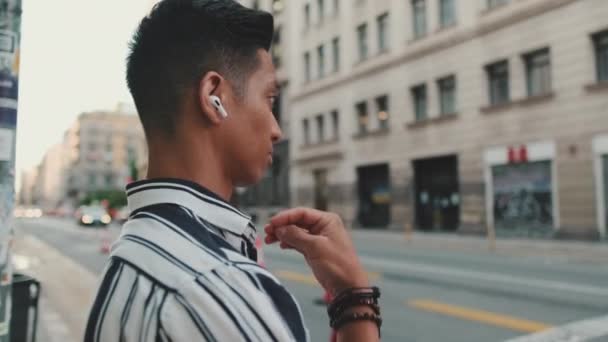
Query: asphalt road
x,y
437,294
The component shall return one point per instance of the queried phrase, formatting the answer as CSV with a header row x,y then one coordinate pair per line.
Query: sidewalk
x,y
67,289
576,251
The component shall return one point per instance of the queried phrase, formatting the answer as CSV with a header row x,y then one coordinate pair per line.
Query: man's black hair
x,y
179,42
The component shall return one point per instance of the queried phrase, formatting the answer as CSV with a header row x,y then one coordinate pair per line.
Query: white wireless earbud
x,y
217,103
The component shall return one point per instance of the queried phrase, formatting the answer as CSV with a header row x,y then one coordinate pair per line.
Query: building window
x,y
336,7
382,111
109,178
276,107
419,100
277,6
321,60
321,8
383,32
335,122
335,43
306,131
320,128
307,15
496,3
447,12
362,39
131,154
498,82
447,95
276,48
307,69
419,10
92,179
538,72
600,41
362,117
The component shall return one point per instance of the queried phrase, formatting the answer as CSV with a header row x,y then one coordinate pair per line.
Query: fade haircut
x,y
179,42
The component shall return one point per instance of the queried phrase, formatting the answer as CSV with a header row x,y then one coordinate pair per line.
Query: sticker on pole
x,y
6,144
9,77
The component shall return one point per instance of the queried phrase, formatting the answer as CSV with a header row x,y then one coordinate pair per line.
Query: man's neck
x,y
201,167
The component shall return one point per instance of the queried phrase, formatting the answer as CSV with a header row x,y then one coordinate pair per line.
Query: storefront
x,y
521,189
373,185
437,197
321,190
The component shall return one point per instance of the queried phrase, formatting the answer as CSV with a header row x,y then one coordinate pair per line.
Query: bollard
x,y
24,312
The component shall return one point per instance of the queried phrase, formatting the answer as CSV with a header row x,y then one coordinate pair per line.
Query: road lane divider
x,y
450,272
309,279
297,277
592,329
479,316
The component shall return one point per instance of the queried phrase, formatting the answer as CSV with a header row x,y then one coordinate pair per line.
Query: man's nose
x,y
276,133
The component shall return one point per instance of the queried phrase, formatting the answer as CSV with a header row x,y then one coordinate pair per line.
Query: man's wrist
x,y
354,298
360,281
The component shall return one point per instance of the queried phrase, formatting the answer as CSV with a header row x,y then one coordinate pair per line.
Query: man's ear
x,y
210,84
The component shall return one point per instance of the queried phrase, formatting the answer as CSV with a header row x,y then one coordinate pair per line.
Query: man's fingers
x,y
270,239
285,246
270,236
295,237
302,217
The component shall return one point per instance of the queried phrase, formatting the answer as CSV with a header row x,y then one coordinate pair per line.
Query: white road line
x,y
574,332
404,266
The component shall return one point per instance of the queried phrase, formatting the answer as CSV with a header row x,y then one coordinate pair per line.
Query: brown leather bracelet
x,y
353,297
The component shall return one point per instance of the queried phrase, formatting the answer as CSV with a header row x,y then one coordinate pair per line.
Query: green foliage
x,y
115,198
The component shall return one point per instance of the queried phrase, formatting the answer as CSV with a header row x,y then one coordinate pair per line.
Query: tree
x,y
116,198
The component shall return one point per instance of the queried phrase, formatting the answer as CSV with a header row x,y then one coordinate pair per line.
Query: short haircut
x,y
179,42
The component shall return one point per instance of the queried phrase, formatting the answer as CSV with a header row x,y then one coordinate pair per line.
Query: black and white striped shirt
x,y
184,269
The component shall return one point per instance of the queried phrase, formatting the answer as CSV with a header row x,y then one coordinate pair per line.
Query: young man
x,y
184,267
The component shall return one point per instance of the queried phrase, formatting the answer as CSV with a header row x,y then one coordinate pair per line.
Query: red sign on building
x,y
517,154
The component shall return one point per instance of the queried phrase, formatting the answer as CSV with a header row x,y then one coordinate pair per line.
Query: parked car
x,y
93,216
23,212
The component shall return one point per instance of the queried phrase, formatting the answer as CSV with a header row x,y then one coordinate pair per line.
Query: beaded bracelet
x,y
355,317
366,296
339,308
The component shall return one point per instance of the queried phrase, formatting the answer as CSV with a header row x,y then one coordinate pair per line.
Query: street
x,y
433,288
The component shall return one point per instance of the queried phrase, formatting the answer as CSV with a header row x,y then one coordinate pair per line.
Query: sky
x,y
72,61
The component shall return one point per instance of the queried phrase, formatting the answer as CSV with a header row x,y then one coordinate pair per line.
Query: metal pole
x,y
491,238
10,34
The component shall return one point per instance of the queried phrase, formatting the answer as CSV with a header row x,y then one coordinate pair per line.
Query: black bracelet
x,y
355,317
374,291
353,297
339,308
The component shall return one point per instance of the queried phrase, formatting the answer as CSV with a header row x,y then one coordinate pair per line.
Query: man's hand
x,y
325,244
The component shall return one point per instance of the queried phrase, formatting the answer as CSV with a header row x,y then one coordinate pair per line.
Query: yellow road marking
x,y
297,277
310,279
490,318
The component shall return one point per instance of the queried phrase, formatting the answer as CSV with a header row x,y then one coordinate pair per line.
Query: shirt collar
x,y
193,196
